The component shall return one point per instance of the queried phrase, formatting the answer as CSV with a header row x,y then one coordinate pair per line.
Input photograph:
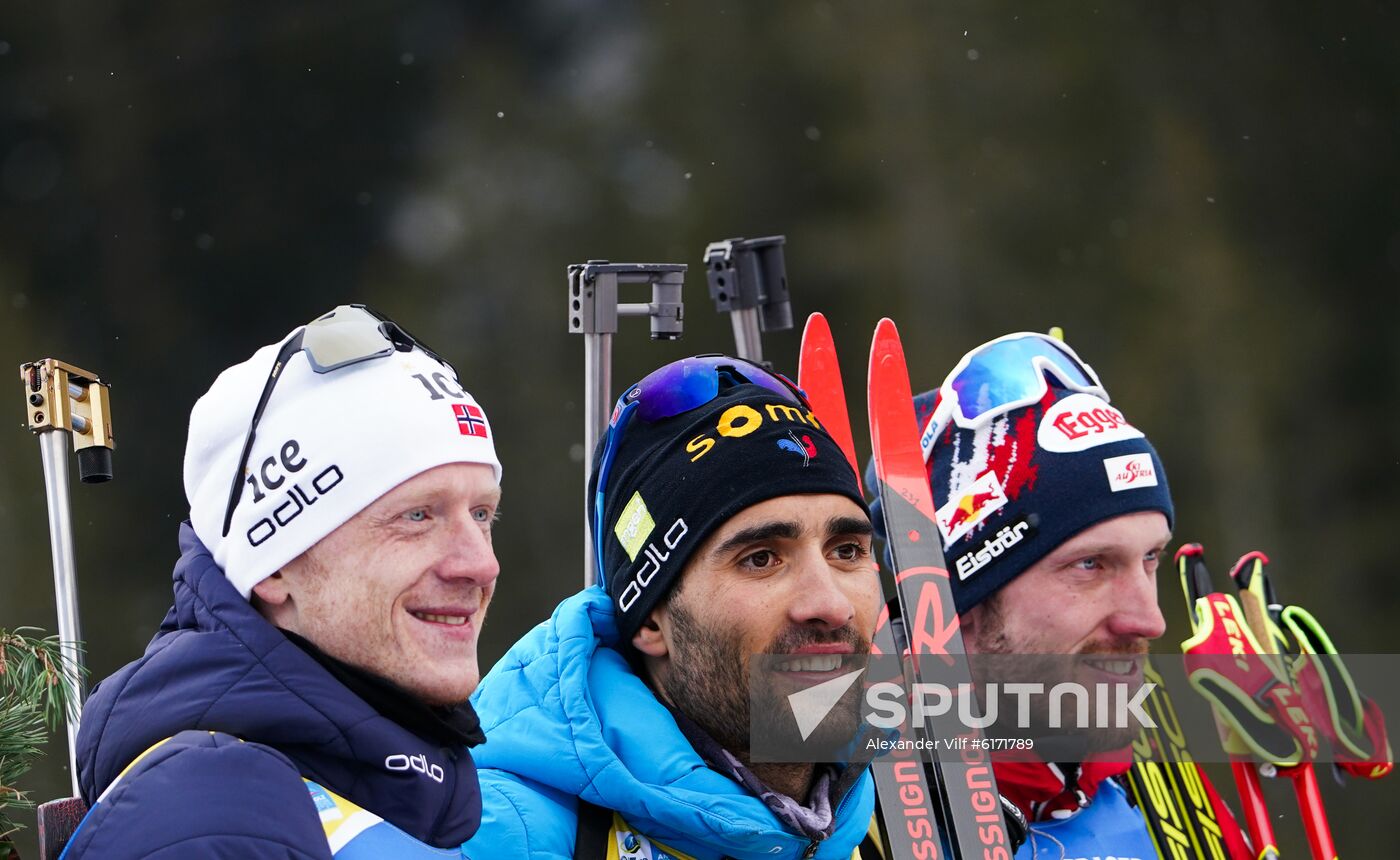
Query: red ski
x,y
819,377
901,785
972,808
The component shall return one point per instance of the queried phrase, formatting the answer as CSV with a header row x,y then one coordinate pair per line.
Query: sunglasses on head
x,y
1002,375
672,390
347,335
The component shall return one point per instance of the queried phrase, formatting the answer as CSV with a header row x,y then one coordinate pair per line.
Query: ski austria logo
x,y
964,511
1130,472
1082,421
803,447
419,763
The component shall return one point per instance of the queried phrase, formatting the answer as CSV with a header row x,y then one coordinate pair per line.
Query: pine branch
x,y
36,693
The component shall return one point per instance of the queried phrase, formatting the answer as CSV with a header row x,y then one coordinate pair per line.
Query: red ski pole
x,y
1261,611
1196,584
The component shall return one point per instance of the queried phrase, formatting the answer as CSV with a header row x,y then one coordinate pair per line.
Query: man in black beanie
x,y
727,524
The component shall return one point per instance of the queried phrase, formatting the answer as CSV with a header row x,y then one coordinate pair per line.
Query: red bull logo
x,y
965,510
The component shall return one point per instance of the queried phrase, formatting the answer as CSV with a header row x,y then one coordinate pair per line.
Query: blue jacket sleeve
x,y
202,794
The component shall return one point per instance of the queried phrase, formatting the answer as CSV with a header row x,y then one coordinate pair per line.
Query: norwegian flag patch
x,y
470,420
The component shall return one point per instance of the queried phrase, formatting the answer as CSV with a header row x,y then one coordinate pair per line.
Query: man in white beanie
x,y
306,695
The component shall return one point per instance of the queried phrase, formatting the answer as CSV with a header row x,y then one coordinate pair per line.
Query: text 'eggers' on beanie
x,y
327,445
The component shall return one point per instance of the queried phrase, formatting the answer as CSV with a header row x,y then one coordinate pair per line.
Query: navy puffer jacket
x,y
276,714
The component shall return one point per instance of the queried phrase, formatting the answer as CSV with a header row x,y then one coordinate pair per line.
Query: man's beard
x,y
1002,660
708,681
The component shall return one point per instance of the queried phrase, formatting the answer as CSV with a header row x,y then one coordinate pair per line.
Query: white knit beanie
x,y
328,445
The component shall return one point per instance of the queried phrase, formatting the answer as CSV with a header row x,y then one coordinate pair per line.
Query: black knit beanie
x,y
674,481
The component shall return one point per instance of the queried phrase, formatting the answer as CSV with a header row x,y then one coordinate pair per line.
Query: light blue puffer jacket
x,y
565,717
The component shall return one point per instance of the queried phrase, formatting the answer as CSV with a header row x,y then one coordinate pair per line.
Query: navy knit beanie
x,y
1008,493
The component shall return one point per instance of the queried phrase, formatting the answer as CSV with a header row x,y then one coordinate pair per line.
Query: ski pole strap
x,y
1252,693
1351,722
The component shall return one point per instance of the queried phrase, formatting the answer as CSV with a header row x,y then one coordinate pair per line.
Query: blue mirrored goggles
x,y
1002,375
672,390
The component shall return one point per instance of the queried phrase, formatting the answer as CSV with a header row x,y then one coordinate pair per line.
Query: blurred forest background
x,y
1206,197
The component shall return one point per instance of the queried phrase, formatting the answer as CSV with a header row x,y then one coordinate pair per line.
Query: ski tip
x,y
817,346
885,347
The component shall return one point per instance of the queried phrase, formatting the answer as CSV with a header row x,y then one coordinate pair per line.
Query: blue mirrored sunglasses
x,y
672,390
1002,375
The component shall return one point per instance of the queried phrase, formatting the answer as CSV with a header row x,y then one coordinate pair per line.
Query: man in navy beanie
x,y
727,524
1054,512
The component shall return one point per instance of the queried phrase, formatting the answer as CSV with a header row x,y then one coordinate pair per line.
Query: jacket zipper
x,y
816,844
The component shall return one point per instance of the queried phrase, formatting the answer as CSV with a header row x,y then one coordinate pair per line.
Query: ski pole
x,y
1197,586
748,281
593,313
1262,610
68,405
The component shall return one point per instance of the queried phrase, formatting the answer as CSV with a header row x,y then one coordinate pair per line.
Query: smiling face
x,y
1092,600
791,575
401,588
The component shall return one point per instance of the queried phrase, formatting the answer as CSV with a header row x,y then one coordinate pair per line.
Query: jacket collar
x,y
1045,790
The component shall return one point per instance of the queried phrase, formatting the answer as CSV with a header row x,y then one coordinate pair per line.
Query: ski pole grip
x,y
1195,577
1244,570
61,396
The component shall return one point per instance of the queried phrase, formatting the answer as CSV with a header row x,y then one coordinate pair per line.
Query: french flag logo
x,y
470,420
